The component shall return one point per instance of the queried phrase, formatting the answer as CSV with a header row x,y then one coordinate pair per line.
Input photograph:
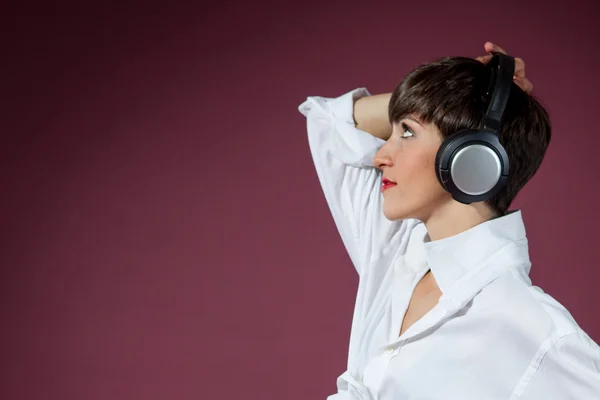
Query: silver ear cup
x,y
475,169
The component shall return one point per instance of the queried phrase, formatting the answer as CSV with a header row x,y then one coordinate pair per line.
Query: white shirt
x,y
492,334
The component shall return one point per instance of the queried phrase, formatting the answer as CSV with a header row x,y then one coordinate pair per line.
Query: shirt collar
x,y
464,256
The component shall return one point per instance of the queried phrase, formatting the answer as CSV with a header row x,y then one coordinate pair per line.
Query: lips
x,y
386,184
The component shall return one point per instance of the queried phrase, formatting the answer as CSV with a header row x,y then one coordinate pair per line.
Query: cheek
x,y
418,187
417,168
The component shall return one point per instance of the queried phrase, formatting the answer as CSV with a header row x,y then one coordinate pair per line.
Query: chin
x,y
401,211
396,214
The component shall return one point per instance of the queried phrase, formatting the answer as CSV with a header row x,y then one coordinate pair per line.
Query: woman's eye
x,y
406,132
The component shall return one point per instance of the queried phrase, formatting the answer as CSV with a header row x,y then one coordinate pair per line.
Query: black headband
x,y
503,70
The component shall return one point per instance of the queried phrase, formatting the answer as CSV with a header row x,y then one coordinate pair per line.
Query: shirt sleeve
x,y
342,156
570,370
351,389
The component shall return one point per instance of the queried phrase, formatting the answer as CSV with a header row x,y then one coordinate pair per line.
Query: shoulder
x,y
526,316
532,332
567,368
527,307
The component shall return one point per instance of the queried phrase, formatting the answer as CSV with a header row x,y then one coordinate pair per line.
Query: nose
x,y
382,158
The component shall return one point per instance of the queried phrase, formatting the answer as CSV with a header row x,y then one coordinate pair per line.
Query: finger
x,y
493,48
519,67
524,84
484,59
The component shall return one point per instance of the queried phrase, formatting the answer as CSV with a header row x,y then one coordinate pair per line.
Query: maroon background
x,y
164,235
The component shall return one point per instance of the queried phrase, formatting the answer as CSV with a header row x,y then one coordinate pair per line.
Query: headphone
x,y
472,164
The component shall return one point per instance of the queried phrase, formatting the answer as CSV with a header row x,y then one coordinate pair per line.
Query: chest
x,y
424,297
458,359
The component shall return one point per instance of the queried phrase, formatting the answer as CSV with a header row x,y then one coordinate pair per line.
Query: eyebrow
x,y
415,120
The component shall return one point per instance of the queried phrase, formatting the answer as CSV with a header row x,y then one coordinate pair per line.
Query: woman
x,y
445,308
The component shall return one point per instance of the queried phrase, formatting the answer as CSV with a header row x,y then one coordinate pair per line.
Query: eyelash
x,y
406,128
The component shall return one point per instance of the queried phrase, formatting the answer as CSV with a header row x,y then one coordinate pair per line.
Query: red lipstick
x,y
386,184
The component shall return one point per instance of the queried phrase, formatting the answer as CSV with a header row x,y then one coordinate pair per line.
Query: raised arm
x,y
343,157
371,115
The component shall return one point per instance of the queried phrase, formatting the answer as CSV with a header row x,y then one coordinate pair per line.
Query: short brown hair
x,y
452,92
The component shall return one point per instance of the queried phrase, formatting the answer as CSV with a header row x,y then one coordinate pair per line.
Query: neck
x,y
453,218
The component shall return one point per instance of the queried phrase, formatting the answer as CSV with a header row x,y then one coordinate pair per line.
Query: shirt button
x,y
389,350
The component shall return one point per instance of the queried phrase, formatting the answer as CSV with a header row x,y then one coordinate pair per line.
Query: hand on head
x,y
519,77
